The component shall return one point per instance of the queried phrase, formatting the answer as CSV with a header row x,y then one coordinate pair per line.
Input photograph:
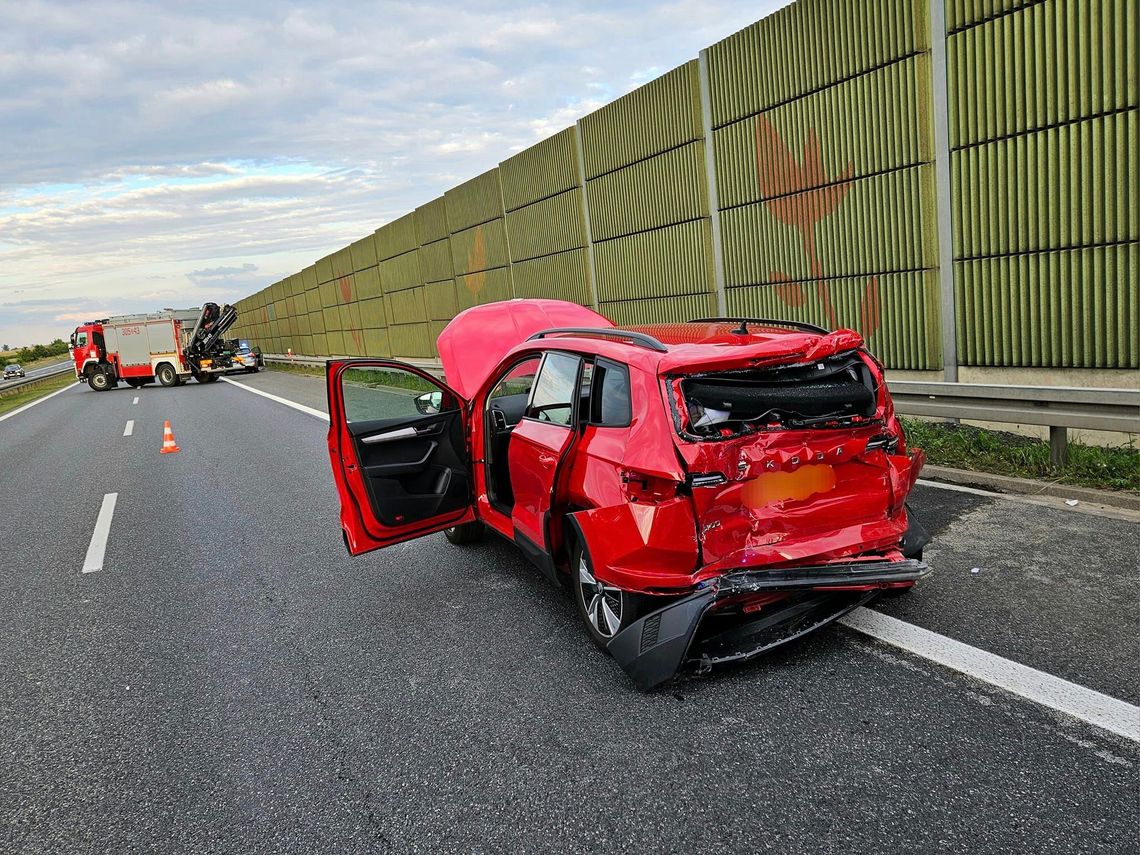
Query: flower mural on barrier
x,y
801,195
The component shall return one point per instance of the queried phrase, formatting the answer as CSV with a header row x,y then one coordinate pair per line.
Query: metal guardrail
x,y
1052,406
1055,407
6,387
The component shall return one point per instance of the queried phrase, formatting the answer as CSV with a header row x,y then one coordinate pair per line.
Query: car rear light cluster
x,y
640,487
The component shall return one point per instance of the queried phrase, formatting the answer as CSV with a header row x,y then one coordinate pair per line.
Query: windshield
x,y
81,339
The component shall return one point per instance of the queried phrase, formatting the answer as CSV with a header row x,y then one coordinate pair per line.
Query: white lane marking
x,y
33,403
136,400
130,428
958,488
1088,705
279,400
98,544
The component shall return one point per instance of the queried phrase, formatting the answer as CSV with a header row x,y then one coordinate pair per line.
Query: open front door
x,y
399,453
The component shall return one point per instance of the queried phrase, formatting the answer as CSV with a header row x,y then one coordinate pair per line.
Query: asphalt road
x,y
231,681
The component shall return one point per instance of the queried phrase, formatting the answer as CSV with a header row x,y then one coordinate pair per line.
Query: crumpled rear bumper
x,y
655,648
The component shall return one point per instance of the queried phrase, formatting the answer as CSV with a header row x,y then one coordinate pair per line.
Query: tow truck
x,y
171,346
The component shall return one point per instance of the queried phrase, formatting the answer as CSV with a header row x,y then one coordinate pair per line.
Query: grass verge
x,y
980,450
17,399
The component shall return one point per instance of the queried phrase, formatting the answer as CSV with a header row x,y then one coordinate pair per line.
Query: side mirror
x,y
429,403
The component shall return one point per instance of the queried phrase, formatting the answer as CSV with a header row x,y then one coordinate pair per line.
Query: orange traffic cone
x,y
168,446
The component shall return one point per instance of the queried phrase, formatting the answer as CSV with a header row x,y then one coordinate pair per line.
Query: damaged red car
x,y
707,490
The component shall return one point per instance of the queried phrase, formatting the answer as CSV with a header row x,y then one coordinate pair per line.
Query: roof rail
x,y
633,337
772,322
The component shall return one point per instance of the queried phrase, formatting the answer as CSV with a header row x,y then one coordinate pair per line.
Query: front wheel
x,y
99,380
605,609
461,535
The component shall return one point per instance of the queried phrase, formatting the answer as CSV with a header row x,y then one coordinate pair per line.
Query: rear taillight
x,y
639,487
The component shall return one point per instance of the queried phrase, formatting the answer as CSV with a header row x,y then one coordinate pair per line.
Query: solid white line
x,y
1089,706
279,400
136,400
958,488
33,403
98,544
130,428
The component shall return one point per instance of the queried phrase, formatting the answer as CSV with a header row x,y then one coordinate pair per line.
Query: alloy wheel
x,y
604,604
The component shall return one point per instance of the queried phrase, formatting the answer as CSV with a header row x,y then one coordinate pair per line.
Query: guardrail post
x,y
1058,445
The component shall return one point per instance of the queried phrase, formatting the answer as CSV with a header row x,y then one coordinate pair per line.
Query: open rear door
x,y
399,452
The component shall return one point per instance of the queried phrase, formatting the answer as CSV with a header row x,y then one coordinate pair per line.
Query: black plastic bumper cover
x,y
655,648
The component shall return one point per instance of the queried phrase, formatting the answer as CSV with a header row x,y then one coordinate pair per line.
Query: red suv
x,y
708,490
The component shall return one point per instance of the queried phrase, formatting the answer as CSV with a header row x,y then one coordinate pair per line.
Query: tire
x,y
599,604
99,380
461,535
166,375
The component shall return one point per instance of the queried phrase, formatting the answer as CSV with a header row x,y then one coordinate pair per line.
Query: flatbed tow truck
x,y
170,346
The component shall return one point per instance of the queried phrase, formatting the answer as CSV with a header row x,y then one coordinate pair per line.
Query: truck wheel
x,y
99,380
166,375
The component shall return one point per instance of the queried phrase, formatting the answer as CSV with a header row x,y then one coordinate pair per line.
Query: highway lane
x,y
232,681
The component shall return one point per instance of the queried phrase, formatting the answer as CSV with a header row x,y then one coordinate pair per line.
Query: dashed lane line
x,y
278,399
98,545
1087,705
136,400
130,428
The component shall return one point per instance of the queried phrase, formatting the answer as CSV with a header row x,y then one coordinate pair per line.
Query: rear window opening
x,y
835,392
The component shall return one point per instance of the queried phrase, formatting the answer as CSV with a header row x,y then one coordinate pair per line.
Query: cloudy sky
x,y
166,153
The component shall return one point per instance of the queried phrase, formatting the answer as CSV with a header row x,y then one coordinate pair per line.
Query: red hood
x,y
477,339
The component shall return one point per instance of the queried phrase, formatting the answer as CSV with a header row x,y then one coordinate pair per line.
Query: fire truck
x,y
170,346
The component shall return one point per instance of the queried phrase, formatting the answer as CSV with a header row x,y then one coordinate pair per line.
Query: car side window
x,y
81,340
610,398
554,390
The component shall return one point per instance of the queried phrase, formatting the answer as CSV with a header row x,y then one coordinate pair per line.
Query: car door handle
x,y
547,460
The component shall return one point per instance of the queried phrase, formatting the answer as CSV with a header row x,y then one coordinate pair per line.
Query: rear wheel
x,y
166,375
99,380
461,535
605,609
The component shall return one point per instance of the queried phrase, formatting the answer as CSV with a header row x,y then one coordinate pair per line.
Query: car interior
x,y
506,406
414,466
